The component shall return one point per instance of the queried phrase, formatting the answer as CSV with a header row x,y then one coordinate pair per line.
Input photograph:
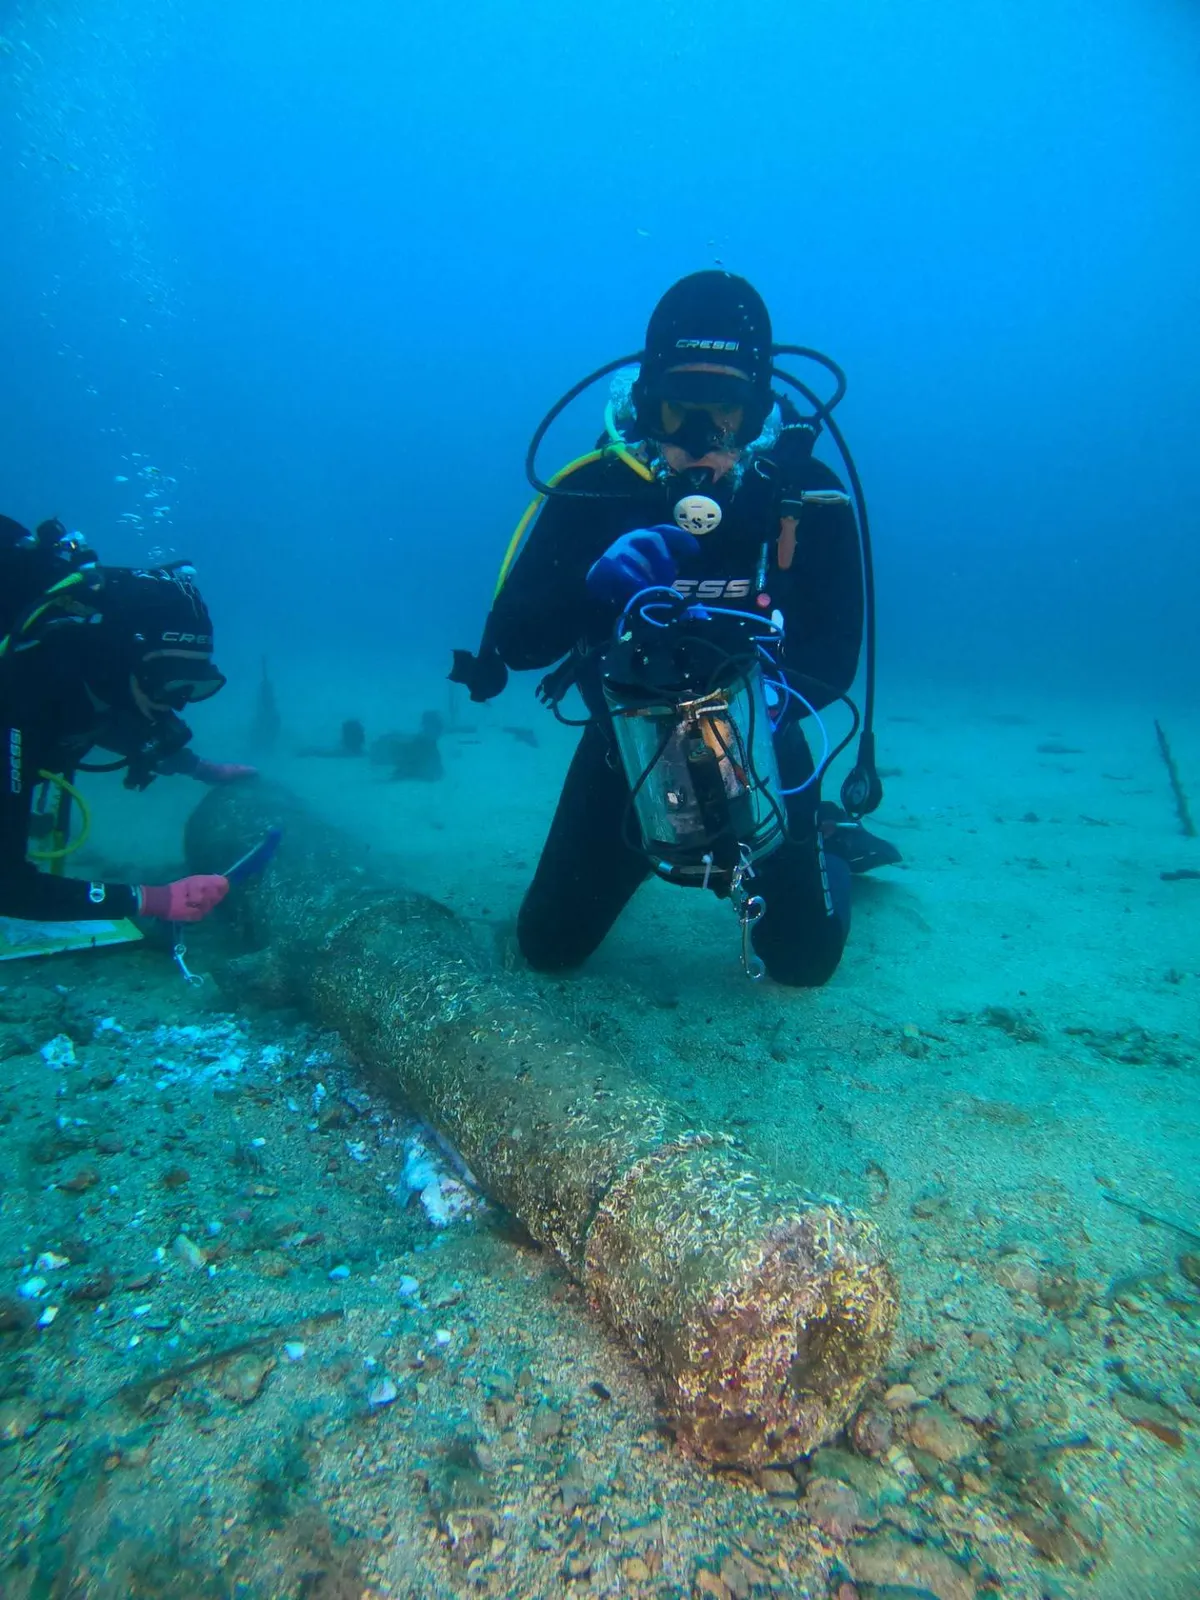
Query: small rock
x,y
1028,1363
19,1417
242,1378
578,1565
382,1393
872,1431
635,1570
706,1582
969,1400
32,1288
272,1264
935,1473
339,1274
189,1252
1058,1345
294,1350
1049,1538
902,1397
1059,1290
1082,1519
911,1042
934,1430
777,1482
86,1178
931,1203
910,1520
1018,1274
176,1178
1151,1418
886,1559
58,1052
875,1485
129,1455
833,1507
49,1262
469,1533
1024,1454
573,1486
1019,1025
642,1534
546,1425
744,1577
503,1411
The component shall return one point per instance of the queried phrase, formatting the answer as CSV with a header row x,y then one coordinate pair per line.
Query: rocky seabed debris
x,y
226,1242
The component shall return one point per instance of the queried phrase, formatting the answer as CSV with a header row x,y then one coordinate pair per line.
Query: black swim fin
x,y
860,850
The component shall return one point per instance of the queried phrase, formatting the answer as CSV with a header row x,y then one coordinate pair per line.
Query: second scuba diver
x,y
700,577
107,657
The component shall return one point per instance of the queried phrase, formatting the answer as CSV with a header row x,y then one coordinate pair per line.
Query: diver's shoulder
x,y
603,482
797,471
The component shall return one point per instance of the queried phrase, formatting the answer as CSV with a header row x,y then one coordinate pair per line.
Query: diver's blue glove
x,y
646,558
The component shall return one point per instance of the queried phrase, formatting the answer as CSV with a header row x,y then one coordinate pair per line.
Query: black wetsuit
x,y
47,724
587,872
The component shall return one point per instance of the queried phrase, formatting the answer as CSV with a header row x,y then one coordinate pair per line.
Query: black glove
x,y
484,676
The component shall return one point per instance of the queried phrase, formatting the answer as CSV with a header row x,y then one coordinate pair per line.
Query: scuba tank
x,y
684,687
33,566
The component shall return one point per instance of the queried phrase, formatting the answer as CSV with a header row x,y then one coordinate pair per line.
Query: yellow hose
x,y
60,852
615,447
50,599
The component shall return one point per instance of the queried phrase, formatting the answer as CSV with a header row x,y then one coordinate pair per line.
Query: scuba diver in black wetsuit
x,y
94,656
31,564
701,577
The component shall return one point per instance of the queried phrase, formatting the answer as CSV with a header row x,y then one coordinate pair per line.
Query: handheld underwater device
x,y
684,687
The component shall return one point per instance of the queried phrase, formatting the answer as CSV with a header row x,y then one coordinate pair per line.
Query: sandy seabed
x,y
269,1372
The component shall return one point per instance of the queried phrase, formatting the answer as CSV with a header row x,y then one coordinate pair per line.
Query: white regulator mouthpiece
x,y
697,514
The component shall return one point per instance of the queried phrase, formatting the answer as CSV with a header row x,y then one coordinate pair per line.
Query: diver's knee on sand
x,y
552,943
801,945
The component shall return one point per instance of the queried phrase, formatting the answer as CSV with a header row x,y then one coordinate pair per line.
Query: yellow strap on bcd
x,y
615,449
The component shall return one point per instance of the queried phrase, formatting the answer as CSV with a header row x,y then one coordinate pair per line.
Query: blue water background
x,y
325,268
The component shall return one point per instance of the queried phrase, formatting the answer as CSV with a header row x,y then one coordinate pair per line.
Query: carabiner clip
x,y
179,956
750,913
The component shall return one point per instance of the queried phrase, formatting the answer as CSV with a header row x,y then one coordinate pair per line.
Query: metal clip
x,y
179,954
748,915
749,908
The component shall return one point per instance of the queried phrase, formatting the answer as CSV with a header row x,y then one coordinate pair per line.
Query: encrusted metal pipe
x,y
759,1310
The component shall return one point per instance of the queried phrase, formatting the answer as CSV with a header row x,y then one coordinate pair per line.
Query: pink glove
x,y
222,772
185,900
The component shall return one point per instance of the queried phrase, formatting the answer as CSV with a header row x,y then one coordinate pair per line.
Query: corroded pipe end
x,y
762,1315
